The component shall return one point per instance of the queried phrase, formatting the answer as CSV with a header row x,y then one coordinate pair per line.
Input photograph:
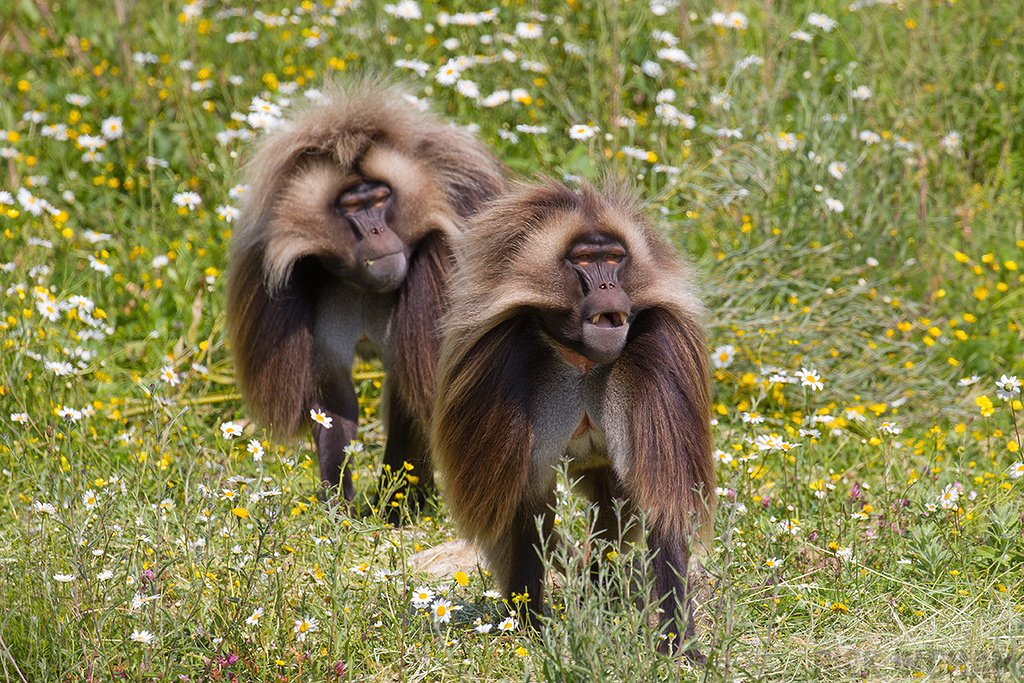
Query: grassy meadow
x,y
847,176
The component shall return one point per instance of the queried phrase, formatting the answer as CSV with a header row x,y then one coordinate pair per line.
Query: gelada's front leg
x,y
516,560
670,564
407,474
340,407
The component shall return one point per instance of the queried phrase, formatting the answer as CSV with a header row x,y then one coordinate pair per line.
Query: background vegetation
x,y
848,178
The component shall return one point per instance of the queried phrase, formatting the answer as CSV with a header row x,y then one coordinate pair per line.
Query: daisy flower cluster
x,y
437,605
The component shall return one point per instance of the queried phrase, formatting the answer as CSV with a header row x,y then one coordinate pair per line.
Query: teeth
x,y
617,319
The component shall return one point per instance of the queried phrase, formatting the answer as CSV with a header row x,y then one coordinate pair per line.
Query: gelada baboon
x,y
343,249
574,333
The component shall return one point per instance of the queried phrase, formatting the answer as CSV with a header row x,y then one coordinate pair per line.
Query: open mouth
x,y
608,320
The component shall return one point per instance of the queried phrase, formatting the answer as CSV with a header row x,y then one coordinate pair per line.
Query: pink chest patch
x,y
585,426
583,364
578,361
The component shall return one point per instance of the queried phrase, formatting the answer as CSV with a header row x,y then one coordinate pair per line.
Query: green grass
x,y
887,545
